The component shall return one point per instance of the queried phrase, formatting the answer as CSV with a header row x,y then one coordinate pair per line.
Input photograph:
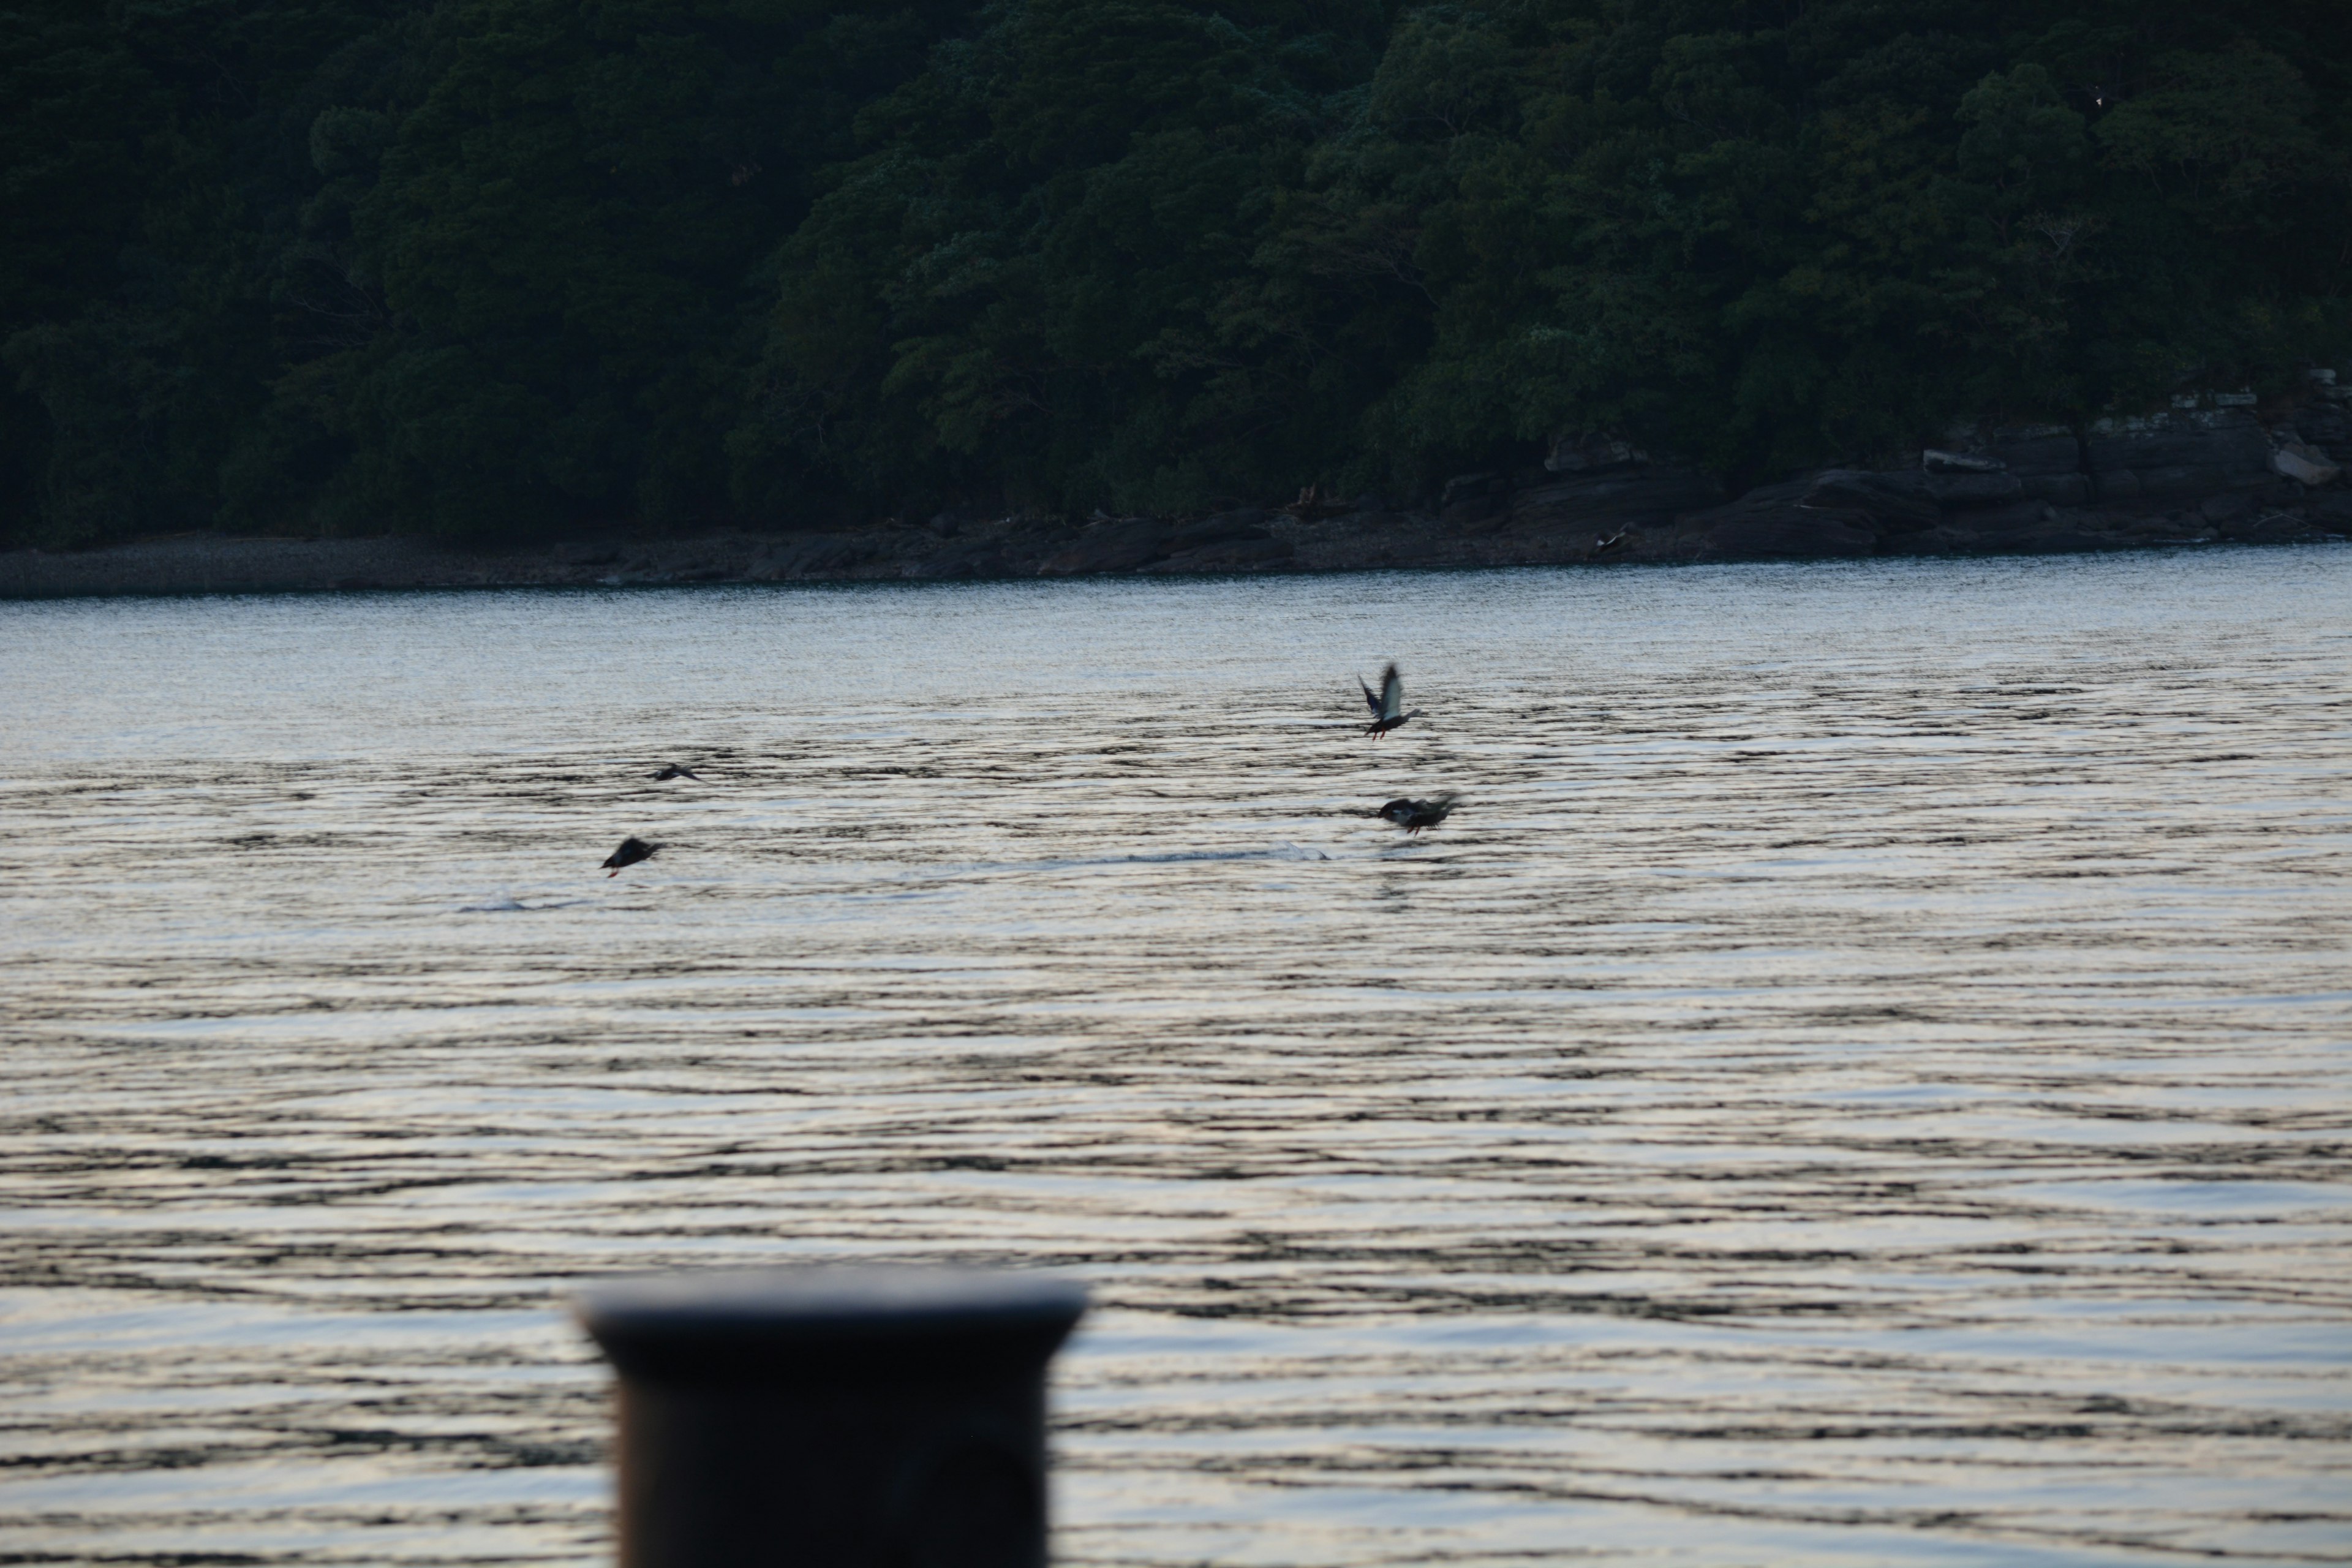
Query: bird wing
x,y
1391,702
1370,701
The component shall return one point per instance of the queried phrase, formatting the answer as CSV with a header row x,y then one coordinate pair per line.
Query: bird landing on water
x,y
1412,815
1388,707
631,851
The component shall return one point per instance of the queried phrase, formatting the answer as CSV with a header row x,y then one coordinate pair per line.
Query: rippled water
x,y
1863,1078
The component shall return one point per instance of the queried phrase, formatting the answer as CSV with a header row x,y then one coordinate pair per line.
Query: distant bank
x,y
2191,476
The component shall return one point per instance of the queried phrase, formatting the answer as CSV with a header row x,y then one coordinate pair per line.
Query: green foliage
x,y
1040,281
495,266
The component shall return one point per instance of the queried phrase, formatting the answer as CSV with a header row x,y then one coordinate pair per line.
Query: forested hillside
x,y
495,268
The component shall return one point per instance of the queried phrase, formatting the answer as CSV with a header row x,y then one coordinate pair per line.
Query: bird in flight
x,y
1412,815
631,851
673,770
1388,707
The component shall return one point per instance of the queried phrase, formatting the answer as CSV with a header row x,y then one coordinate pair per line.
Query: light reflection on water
x,y
1862,1081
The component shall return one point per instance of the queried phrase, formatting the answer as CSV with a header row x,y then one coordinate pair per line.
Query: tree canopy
x,y
489,267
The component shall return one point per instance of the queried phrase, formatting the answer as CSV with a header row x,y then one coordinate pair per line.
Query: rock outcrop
x,y
2172,456
2046,460
1798,520
1637,496
2267,475
2188,476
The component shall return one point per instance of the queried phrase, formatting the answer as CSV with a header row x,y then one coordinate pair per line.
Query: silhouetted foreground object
x,y
672,770
631,851
833,1417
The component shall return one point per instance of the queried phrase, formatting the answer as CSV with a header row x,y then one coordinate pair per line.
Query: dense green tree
x,y
1769,236
475,268
1025,286
488,266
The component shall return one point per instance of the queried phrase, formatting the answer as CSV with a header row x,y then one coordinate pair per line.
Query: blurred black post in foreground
x,y
833,1417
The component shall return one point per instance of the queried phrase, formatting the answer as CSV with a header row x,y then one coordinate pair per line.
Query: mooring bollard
x,y
832,1417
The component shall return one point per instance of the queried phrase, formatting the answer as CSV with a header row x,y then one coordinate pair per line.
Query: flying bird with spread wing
x,y
1388,706
631,851
673,770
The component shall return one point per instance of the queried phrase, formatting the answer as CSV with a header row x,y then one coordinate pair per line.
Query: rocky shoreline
x,y
2231,471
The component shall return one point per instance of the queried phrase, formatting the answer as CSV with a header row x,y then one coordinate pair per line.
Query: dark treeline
x,y
500,266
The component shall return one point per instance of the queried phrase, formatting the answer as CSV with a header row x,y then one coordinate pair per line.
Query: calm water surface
x,y
1862,1080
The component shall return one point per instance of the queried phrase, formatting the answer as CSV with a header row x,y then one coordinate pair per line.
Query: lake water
x,y
1862,1079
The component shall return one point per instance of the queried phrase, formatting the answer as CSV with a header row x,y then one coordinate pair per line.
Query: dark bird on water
x,y
631,851
1412,815
672,770
1388,707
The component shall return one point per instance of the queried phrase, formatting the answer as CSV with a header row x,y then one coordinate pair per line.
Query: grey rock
x,y
2304,465
1614,498
2039,451
1119,545
952,522
1762,500
2245,526
1593,455
1940,462
1408,552
1460,487
2012,521
1248,523
1974,490
817,553
1775,520
2046,460
1475,514
2072,541
1228,555
2323,424
2058,489
2178,455
1948,539
2029,451
2280,527
1812,535
971,558
1893,503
